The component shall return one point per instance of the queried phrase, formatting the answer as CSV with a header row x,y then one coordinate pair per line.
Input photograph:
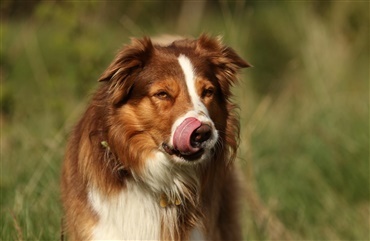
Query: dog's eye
x,y
162,95
209,92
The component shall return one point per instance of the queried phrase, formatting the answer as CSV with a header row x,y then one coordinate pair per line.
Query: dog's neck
x,y
165,199
156,221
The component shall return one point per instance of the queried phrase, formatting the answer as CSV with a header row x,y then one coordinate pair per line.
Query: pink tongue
x,y
181,137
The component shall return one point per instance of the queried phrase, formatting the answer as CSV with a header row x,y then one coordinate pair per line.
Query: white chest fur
x,y
130,215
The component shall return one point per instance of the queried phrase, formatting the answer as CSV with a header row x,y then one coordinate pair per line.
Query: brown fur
x,y
123,113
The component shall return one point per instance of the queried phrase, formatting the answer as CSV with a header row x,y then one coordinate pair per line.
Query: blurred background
x,y
304,106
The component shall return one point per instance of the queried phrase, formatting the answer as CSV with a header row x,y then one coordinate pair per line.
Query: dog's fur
x,y
124,179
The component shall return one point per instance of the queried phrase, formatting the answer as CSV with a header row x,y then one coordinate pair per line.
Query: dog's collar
x,y
105,144
164,201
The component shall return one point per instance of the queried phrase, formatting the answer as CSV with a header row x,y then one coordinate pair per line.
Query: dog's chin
x,y
186,158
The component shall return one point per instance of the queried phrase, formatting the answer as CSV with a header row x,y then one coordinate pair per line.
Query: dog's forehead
x,y
163,63
162,67
166,59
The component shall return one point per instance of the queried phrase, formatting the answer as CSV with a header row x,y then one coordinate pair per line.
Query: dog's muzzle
x,y
189,138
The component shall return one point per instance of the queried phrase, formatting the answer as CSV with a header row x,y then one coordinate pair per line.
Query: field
x,y
304,106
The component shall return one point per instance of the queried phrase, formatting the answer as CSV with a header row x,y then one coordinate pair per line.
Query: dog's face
x,y
171,100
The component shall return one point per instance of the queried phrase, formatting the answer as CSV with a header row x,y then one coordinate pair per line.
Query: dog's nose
x,y
200,135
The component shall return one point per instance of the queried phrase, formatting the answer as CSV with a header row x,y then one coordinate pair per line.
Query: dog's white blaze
x,y
189,73
130,215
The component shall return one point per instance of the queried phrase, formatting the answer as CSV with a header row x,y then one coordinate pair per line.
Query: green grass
x,y
304,107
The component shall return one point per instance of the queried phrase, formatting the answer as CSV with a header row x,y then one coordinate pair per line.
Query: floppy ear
x,y
221,54
121,72
225,60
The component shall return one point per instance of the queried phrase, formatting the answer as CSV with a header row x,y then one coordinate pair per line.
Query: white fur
x,y
196,235
133,214
190,79
163,176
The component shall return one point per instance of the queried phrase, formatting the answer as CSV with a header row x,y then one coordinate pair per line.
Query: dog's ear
x,y
225,60
221,54
120,75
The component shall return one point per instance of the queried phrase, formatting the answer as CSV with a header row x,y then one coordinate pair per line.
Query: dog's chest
x,y
130,215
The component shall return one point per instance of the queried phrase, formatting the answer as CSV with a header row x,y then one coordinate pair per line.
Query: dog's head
x,y
172,101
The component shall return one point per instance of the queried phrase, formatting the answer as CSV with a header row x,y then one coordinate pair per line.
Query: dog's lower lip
x,y
168,149
187,157
193,156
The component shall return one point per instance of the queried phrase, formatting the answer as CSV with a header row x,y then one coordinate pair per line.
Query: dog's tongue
x,y
182,135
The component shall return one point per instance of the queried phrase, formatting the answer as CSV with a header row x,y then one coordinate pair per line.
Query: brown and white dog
x,y
152,157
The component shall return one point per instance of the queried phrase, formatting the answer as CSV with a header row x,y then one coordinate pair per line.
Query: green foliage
x,y
304,105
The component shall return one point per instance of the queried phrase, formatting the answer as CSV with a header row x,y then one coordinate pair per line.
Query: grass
x,y
304,107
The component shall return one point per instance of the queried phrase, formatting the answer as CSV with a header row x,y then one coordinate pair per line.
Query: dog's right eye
x,y
162,95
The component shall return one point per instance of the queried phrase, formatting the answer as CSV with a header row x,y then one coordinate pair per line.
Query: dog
x,y
152,158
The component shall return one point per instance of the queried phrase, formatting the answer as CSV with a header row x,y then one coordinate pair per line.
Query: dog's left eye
x,y
209,92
